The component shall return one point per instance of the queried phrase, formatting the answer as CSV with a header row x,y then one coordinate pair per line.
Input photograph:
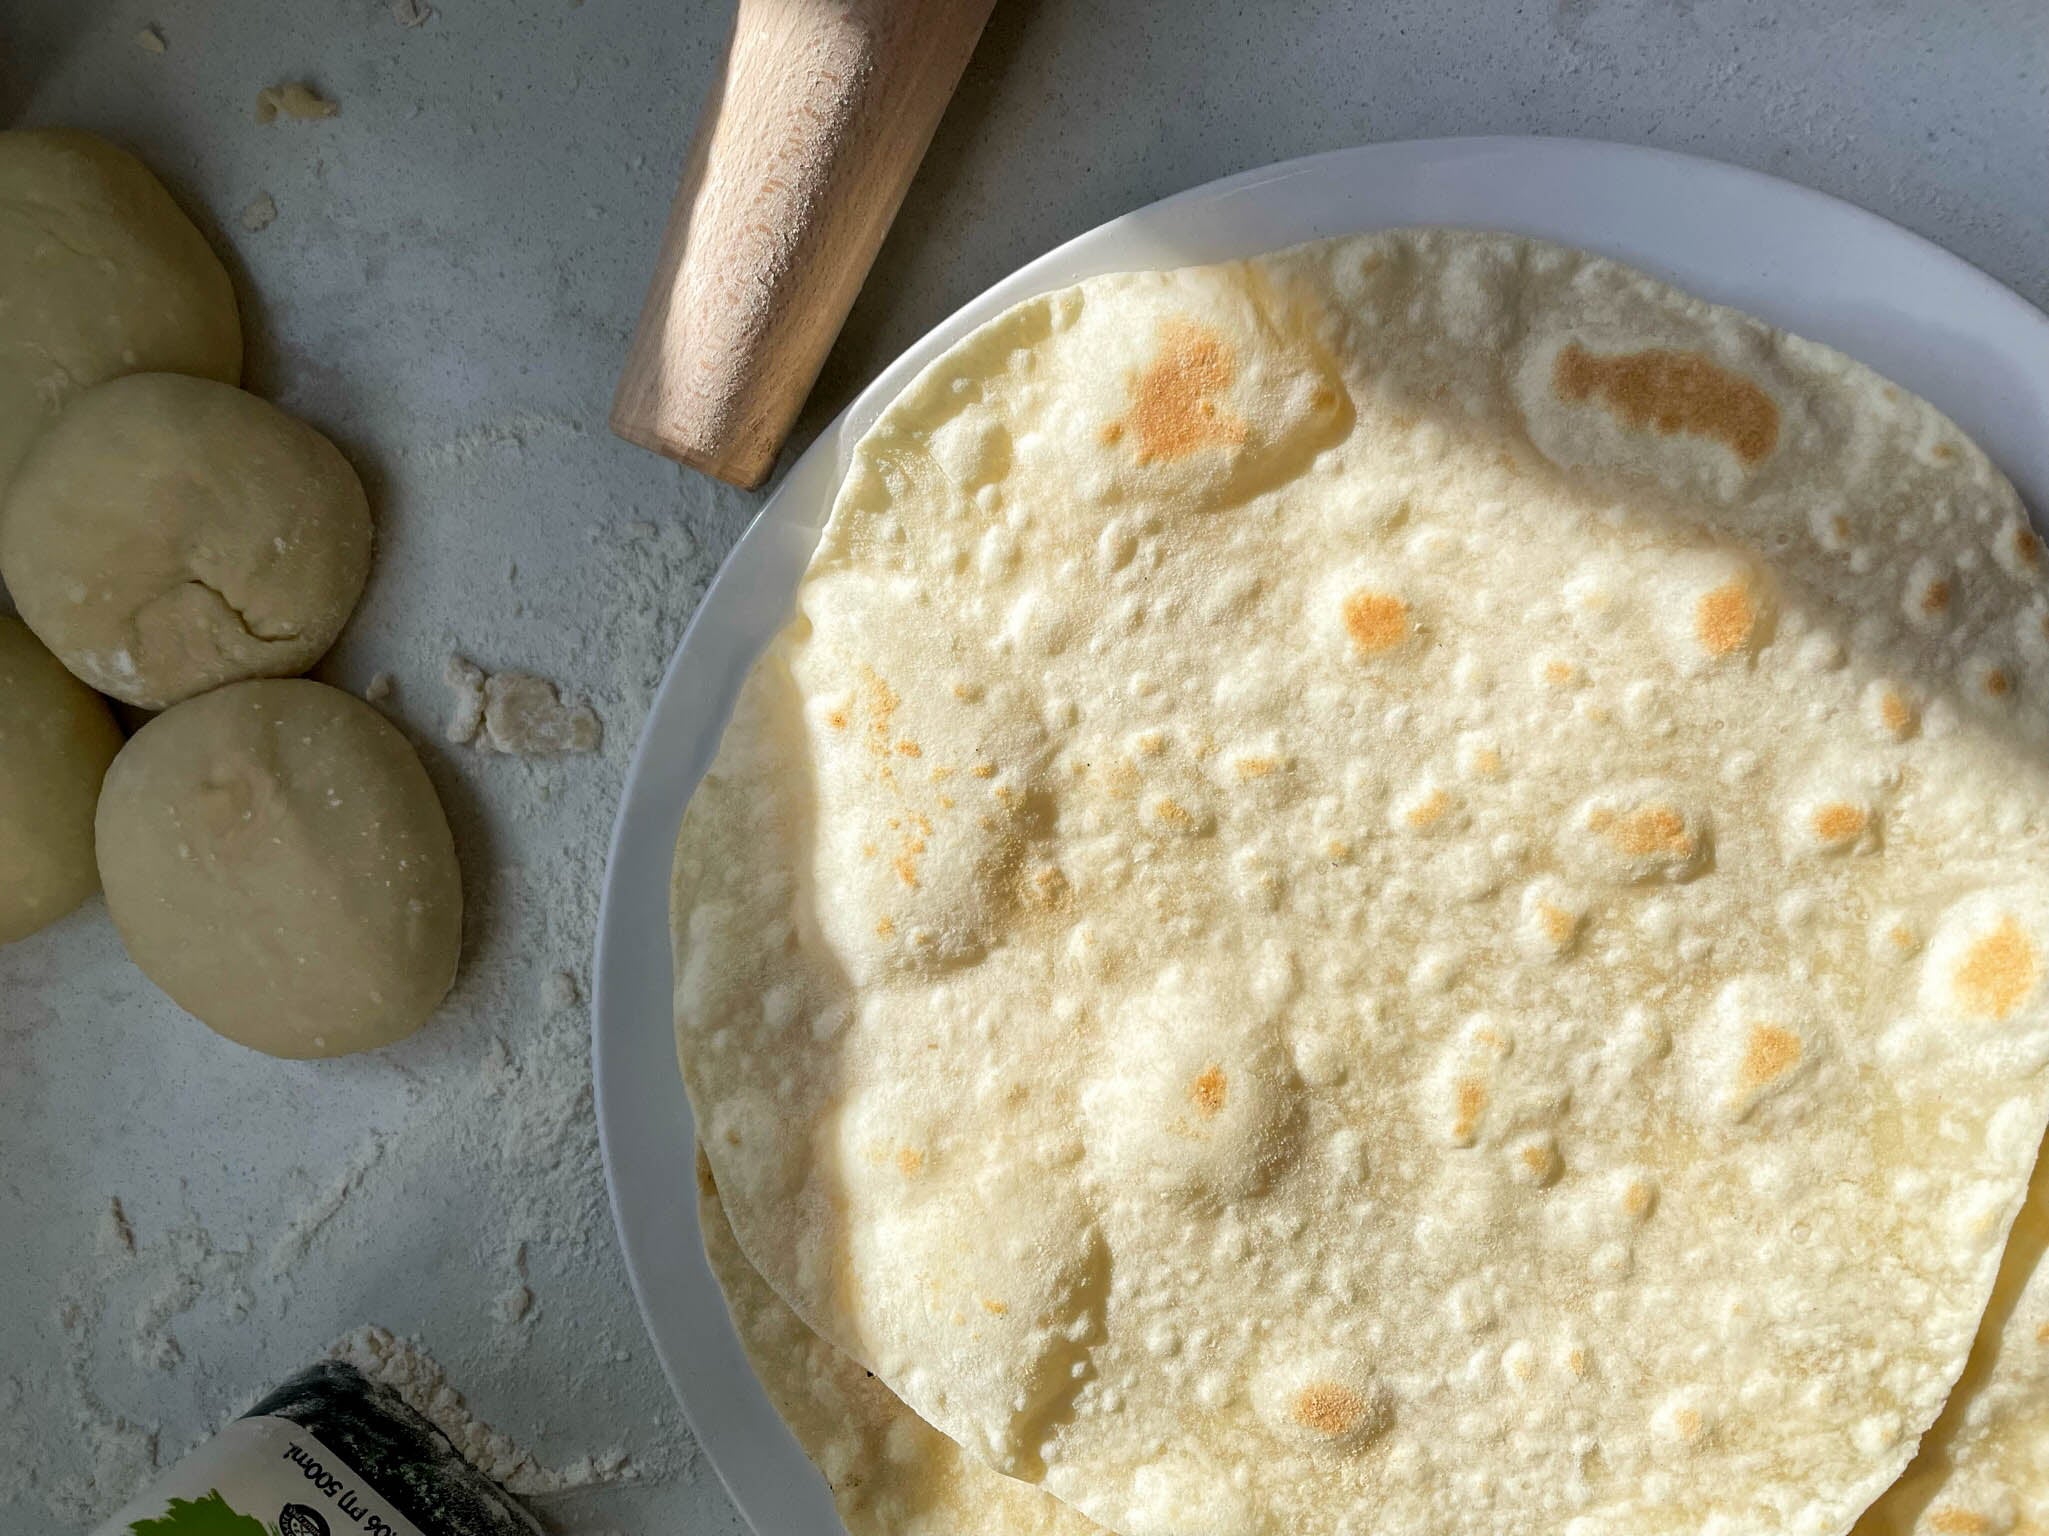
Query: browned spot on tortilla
x,y
1942,451
909,749
1576,1362
1469,1096
1673,392
983,770
1769,1053
1429,809
1559,924
1539,1158
1688,1422
1173,812
1999,971
2042,1333
1339,850
1209,1090
1328,1408
1952,1521
1487,762
1376,621
1839,822
2027,548
1174,410
1895,710
837,719
1724,619
1048,885
906,870
1935,596
1254,767
1112,434
1997,682
1644,831
884,927
1638,1198
910,1162
1557,673
995,1308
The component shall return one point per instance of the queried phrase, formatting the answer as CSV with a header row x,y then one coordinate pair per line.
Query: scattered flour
x,y
150,40
416,1376
260,214
488,1137
411,13
379,689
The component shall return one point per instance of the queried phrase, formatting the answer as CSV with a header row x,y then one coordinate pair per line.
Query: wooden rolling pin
x,y
803,152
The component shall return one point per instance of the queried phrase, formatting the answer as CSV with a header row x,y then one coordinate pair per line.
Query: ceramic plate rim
x,y
1889,297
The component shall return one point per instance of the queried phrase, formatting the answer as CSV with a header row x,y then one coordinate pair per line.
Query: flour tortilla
x,y
1398,887
891,1473
1982,1471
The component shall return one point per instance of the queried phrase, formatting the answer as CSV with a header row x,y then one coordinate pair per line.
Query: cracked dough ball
x,y
56,739
169,535
276,860
100,275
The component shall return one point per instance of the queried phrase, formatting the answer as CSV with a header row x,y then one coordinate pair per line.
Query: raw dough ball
x,y
276,860
100,275
56,739
169,535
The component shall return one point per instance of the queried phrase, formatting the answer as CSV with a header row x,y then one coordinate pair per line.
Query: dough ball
x,y
276,860
169,535
56,739
100,275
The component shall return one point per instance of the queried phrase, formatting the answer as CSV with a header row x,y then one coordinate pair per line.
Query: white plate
x,y
1799,259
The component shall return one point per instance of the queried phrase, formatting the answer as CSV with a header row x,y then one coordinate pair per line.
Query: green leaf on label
x,y
209,1516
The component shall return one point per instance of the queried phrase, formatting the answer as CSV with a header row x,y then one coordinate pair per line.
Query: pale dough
x,y
56,739
171,534
100,274
276,860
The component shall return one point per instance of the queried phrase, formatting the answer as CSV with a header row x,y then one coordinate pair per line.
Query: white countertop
x,y
447,288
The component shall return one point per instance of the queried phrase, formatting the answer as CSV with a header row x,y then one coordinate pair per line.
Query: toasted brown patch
x,y
1724,618
1576,1361
1428,810
1172,812
1487,762
1557,673
1255,767
1328,1408
910,1162
995,1308
1997,682
1540,1159
1999,971
1896,711
1209,1090
1376,621
1049,885
909,749
1469,1098
1952,1521
1768,1055
884,926
2042,1333
837,719
1935,596
906,869
1644,831
1672,392
983,770
2027,548
1840,822
1688,1422
1174,410
1638,1198
1559,924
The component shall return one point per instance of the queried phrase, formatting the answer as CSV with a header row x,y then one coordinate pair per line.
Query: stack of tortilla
x,y
1401,887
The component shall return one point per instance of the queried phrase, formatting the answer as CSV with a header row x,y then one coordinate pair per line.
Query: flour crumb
x,y
411,13
294,99
407,1368
150,40
260,214
513,1304
379,689
516,713
116,1236
465,679
558,990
